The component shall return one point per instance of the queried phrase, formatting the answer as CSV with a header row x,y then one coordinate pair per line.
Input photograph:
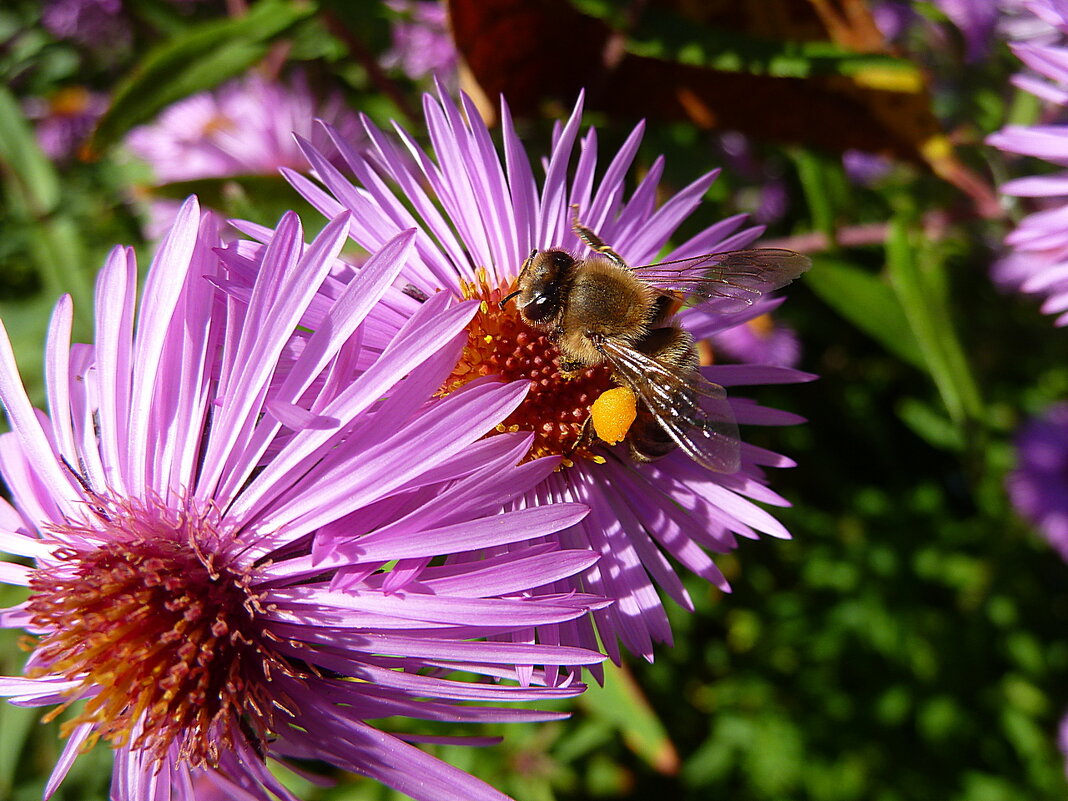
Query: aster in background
x,y
1038,489
64,121
422,46
761,340
244,127
89,22
1038,486
1038,263
477,219
177,608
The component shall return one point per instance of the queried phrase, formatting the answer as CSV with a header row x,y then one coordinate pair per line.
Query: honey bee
x,y
600,309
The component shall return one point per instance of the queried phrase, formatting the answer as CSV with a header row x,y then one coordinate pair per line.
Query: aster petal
x,y
381,470
71,750
554,220
162,289
451,611
403,354
470,535
609,195
369,752
1037,186
1049,61
115,298
34,443
57,377
341,321
732,375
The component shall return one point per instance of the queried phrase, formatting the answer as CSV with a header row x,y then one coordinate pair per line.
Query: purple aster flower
x,y
65,120
422,45
245,127
1038,486
174,594
976,20
1039,262
478,218
90,22
1062,740
865,168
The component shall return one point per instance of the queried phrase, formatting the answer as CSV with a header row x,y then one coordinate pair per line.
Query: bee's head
x,y
545,276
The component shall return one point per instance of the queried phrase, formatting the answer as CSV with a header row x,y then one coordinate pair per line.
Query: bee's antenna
x,y
595,242
507,298
523,269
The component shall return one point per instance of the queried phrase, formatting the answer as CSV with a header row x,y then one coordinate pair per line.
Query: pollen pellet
x,y
612,414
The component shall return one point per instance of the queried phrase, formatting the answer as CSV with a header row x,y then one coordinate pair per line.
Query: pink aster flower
x,y
1039,261
1062,740
245,127
478,217
422,45
87,21
761,340
65,120
174,595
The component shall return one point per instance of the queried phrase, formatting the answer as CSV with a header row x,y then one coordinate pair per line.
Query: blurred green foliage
x,y
909,643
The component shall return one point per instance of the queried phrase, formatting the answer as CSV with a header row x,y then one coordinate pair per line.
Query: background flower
x,y
244,127
1039,484
1038,264
175,594
422,47
65,120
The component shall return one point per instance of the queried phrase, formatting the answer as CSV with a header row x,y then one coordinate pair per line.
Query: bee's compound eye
x,y
540,307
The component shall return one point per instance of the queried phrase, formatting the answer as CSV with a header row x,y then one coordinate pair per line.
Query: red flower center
x,y
558,404
162,635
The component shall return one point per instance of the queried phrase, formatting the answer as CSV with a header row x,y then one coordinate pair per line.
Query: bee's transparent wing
x,y
727,282
691,409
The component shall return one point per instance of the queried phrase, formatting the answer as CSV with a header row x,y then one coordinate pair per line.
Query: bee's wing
x,y
691,409
727,282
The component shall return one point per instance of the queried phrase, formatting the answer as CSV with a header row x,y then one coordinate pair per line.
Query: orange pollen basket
x,y
163,638
499,343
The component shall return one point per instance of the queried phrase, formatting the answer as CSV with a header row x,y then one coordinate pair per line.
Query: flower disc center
x,y
558,404
160,633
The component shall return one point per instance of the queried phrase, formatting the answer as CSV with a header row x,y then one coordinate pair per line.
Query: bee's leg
x,y
595,242
586,435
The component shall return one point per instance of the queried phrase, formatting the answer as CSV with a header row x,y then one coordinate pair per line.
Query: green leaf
x,y
34,202
923,296
823,182
930,425
620,703
665,35
867,302
23,160
200,58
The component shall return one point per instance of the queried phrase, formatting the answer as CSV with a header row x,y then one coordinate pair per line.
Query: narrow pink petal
x,y
71,749
427,609
35,444
57,377
469,535
13,573
163,287
116,289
